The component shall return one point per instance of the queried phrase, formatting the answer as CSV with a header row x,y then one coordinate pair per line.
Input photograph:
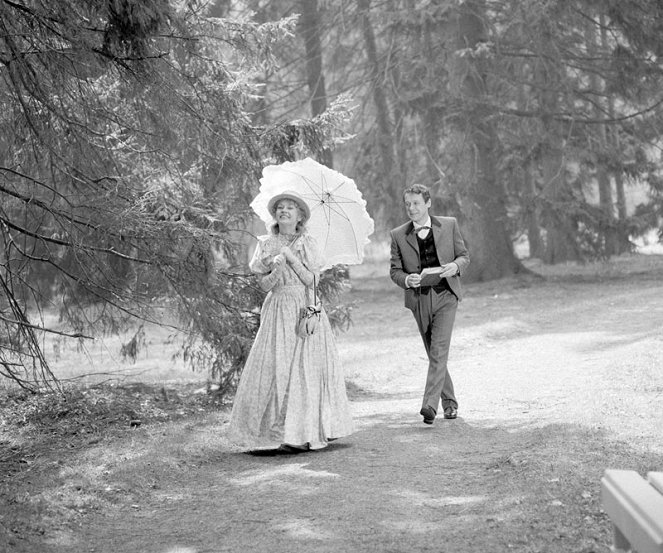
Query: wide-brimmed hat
x,y
290,195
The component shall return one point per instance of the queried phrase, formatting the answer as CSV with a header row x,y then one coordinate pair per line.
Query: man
x,y
428,255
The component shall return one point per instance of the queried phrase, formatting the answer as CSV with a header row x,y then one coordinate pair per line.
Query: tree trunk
x,y
607,219
536,244
559,224
488,239
311,32
622,240
388,170
561,228
607,223
399,110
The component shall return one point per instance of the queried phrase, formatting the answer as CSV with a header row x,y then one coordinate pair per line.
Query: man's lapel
x,y
443,241
439,237
411,237
436,227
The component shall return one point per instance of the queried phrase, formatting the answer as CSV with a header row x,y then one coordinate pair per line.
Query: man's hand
x,y
449,270
413,280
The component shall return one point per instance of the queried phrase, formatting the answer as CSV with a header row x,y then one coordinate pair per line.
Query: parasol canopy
x,y
339,221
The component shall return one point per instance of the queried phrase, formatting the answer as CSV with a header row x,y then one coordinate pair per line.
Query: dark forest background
x,y
133,134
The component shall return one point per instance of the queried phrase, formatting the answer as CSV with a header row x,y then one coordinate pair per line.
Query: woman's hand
x,y
287,253
278,262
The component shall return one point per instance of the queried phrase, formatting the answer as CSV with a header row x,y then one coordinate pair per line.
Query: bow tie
x,y
422,231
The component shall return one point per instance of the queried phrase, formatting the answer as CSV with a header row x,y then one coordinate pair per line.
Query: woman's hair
x,y
301,225
299,229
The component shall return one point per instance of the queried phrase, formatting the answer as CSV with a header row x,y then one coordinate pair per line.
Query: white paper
x,y
431,271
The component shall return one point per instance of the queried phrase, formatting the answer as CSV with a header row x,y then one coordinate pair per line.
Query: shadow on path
x,y
395,485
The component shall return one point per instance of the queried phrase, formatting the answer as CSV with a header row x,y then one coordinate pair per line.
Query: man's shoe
x,y
450,412
428,413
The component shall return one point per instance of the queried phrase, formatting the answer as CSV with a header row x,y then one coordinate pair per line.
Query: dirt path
x,y
557,381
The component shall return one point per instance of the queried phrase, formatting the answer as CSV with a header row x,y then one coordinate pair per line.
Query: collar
x,y
418,226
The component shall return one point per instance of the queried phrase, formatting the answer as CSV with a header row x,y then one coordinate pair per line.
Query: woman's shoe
x,y
287,448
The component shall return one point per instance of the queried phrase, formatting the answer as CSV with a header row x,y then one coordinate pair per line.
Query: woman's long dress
x,y
291,390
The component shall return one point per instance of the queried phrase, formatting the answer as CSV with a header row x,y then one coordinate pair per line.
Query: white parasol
x,y
339,221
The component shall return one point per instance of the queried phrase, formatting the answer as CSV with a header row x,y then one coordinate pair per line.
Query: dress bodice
x,y
302,245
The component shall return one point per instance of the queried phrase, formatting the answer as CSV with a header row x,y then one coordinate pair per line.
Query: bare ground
x,y
558,379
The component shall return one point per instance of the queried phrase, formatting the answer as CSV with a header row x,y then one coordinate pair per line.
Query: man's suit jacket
x,y
405,259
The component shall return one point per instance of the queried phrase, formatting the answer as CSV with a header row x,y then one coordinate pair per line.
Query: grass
x,y
41,484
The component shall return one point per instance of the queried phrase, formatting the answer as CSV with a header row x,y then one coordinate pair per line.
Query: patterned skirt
x,y
291,390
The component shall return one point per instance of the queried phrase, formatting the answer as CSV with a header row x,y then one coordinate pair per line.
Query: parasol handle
x,y
315,290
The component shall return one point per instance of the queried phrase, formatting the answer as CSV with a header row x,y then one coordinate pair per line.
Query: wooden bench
x,y
635,506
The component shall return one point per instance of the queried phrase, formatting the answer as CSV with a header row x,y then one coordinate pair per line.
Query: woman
x,y
292,390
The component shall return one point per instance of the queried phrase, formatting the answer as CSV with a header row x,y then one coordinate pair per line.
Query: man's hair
x,y
418,189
